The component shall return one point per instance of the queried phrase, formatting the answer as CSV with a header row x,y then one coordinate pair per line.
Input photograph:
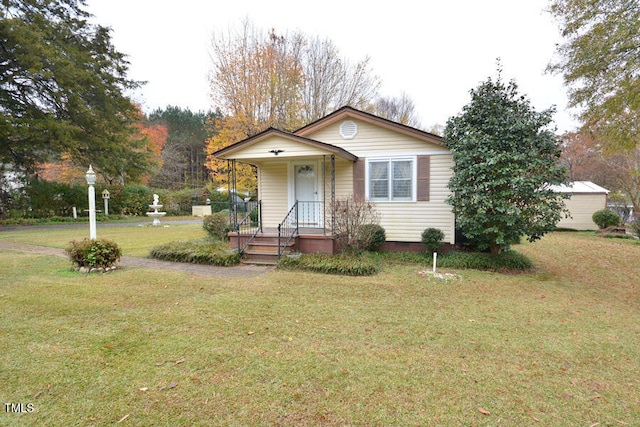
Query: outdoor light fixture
x,y
91,176
91,180
276,151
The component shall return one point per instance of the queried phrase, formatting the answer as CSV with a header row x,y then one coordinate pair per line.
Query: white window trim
x,y
414,178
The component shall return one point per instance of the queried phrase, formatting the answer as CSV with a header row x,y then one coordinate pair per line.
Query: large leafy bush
x,y
605,218
94,254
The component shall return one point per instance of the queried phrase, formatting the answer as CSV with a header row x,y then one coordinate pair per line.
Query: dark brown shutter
x,y
358,179
423,178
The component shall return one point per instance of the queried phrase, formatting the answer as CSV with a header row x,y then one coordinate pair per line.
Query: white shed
x,y
586,198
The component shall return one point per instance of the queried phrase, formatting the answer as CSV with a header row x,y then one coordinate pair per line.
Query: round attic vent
x,y
348,129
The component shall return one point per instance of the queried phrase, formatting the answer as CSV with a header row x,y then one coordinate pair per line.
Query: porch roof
x,y
275,142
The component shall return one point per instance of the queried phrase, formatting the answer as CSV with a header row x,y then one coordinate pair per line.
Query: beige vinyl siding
x,y
402,221
343,178
375,141
405,221
273,192
582,207
262,149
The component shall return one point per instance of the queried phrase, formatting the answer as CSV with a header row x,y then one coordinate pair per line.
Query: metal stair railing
x,y
249,227
288,228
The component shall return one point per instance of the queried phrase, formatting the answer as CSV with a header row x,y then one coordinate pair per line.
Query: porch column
x,y
324,194
231,188
333,194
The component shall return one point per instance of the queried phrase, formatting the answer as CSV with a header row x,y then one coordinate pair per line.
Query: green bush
x,y
347,264
373,236
605,218
203,251
175,202
99,253
217,226
130,200
432,238
43,199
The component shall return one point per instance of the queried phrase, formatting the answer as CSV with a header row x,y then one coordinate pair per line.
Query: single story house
x,y
402,171
586,198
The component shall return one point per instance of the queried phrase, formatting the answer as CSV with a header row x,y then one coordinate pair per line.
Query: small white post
x,y
75,213
435,257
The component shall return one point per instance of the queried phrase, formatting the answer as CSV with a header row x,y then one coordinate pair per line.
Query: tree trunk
x,y
496,249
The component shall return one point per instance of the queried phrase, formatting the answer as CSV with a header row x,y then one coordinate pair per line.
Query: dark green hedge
x,y
202,251
344,264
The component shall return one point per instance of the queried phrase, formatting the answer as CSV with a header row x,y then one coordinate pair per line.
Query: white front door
x,y
305,190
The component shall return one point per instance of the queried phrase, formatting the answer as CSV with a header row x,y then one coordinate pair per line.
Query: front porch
x,y
302,230
296,179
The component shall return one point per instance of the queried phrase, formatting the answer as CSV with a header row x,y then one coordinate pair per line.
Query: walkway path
x,y
244,271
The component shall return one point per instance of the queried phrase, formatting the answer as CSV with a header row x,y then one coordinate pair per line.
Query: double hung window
x,y
391,179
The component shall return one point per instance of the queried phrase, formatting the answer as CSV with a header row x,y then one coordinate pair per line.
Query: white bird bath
x,y
155,214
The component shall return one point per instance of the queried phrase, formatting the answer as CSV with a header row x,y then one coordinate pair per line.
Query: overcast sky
x,y
435,51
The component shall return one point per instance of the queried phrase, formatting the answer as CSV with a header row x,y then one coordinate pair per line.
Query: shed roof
x,y
580,187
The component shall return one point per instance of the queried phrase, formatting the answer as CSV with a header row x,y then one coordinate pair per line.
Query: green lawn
x,y
557,346
135,240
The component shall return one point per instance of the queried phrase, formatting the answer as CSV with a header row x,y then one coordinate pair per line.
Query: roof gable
x,y
347,112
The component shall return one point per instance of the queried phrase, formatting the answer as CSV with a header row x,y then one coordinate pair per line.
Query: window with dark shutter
x,y
424,169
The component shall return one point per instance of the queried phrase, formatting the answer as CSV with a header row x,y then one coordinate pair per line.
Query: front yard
x,y
557,346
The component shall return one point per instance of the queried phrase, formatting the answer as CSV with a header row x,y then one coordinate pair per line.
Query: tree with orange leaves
x,y
264,79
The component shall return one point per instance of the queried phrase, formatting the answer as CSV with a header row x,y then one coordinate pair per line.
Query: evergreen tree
x,y
62,86
505,159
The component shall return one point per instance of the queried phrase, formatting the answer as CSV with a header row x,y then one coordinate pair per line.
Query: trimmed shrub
x,y
217,226
605,218
99,253
432,238
203,251
373,237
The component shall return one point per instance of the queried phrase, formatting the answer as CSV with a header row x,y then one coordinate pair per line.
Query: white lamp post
x,y
91,180
105,196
